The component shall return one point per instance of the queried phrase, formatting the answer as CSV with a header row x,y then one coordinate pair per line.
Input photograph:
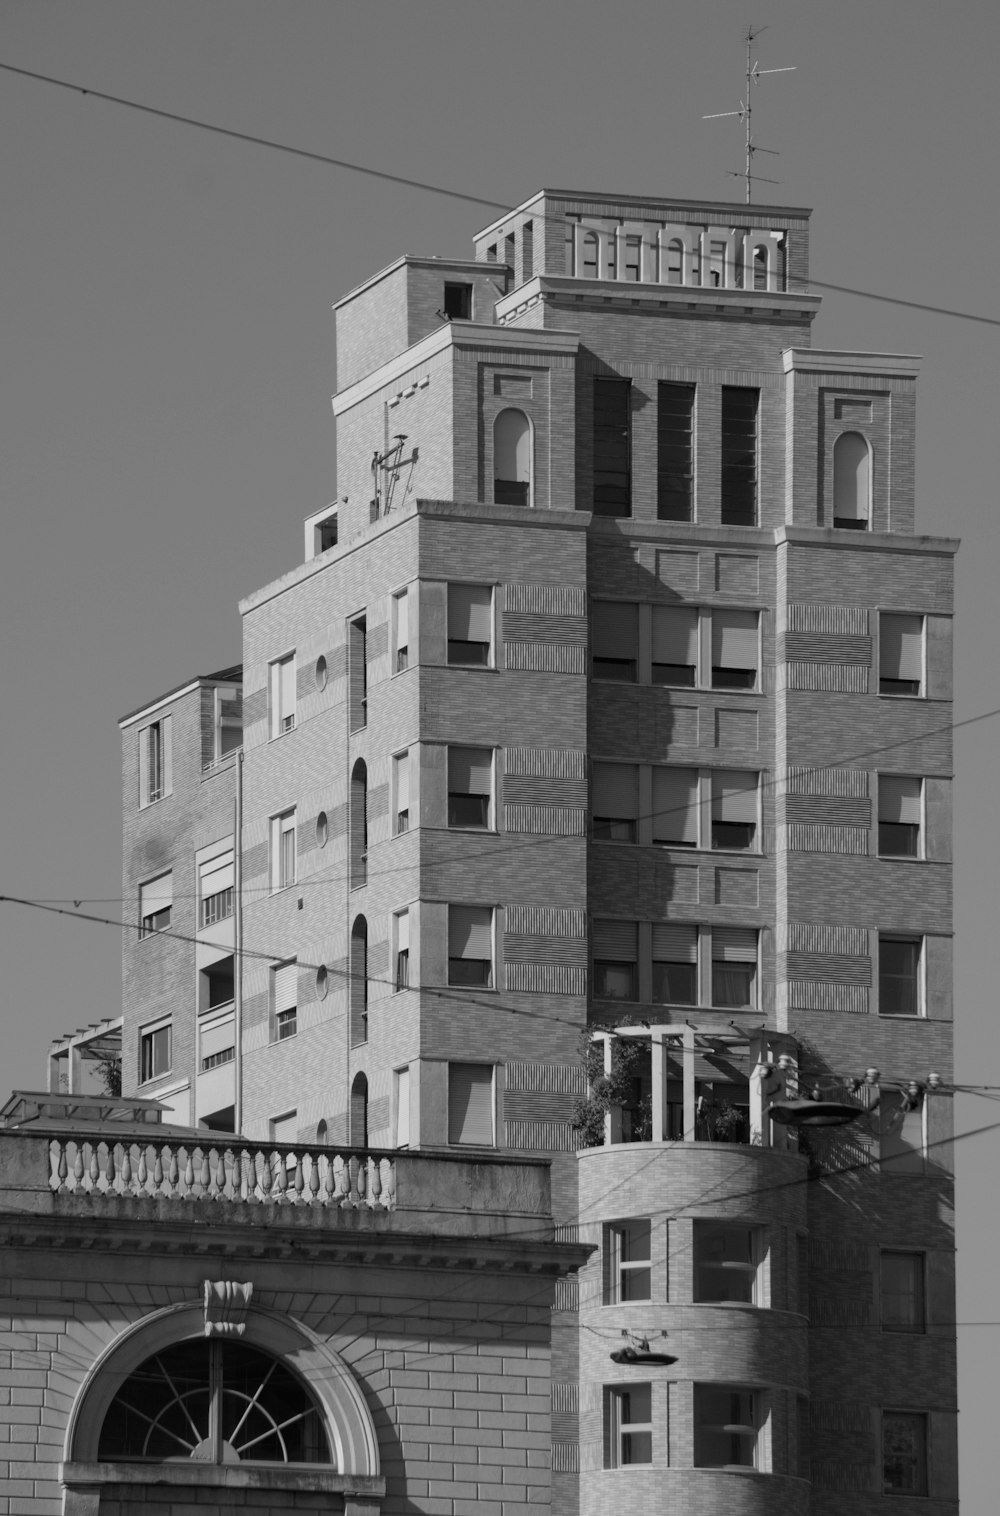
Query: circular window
x,y
320,672
322,981
322,829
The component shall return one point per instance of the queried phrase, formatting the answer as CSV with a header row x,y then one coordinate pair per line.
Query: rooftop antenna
x,y
753,75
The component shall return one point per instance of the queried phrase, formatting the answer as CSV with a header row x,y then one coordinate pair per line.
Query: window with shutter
x,y
470,624
402,1083
282,694
470,945
216,1043
900,804
155,761
734,809
616,954
358,982
401,607
357,673
615,802
401,789
735,649
470,1104
614,636
675,807
156,902
901,655
155,1051
675,645
470,787
675,964
284,999
283,861
734,967
402,921
216,888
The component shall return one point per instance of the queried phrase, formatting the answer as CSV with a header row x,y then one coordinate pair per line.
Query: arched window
x,y
852,481
359,1112
761,264
675,261
359,981
214,1401
512,458
322,1133
591,249
359,826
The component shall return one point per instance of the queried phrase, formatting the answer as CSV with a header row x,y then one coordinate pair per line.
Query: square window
x,y
216,1042
899,976
901,1291
900,655
628,1252
155,1052
470,946
904,1452
470,625
614,639
470,1104
900,814
726,1262
282,695
628,1425
156,902
283,859
155,765
470,787
727,1426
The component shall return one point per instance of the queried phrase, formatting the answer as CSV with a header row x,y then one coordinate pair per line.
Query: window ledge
x,y
234,1476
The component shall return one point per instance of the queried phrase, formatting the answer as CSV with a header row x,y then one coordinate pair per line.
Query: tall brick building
x,y
611,700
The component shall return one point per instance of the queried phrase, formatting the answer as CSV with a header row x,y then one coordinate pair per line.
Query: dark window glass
x,y
904,1452
675,458
898,976
732,984
612,465
898,839
614,829
674,673
458,301
739,456
615,981
470,971
675,983
738,836
468,810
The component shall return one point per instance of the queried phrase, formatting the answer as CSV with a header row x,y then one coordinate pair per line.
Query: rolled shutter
x,y
899,799
217,875
675,805
156,895
735,639
470,931
614,629
901,647
217,1038
734,795
286,984
403,932
470,770
403,620
144,766
675,635
403,782
615,790
402,1108
616,941
470,1103
470,612
166,735
734,944
674,944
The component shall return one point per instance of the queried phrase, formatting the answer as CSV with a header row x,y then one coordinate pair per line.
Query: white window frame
x,y
618,1429
756,1428
618,1244
281,825
282,695
920,984
402,1109
491,808
155,768
154,931
920,693
490,662
752,1269
491,985
147,1036
639,668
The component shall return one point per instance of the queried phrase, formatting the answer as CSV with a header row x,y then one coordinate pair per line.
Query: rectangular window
x,y
900,655
900,807
155,761
470,787
735,649
726,1262
734,809
629,1425
627,1245
401,790
734,967
675,807
470,1104
675,452
357,673
901,1291
615,802
216,889
283,850
470,624
402,921
616,960
156,903
217,1043
227,716
899,976
904,1453
155,1052
727,1421
739,456
458,302
285,999
614,638
282,695
401,616
285,1128
612,447
402,1082
675,964
470,945
675,646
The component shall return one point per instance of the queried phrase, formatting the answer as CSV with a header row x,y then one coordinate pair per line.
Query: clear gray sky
x,y
168,362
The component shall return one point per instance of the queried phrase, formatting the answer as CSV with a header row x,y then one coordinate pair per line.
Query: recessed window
x,y
734,967
470,787
675,452
322,829
471,1104
401,923
901,1291
401,791
216,889
900,815
734,809
357,673
616,960
358,861
283,855
470,946
675,964
401,625
511,458
282,695
359,981
899,975
614,641
470,624
285,999
628,1251
735,649
320,673
156,903
726,1262
458,302
900,655
615,802
612,447
852,482
155,780
904,1452
727,1426
155,1052
675,646
322,982
401,1081
628,1413
676,808
739,456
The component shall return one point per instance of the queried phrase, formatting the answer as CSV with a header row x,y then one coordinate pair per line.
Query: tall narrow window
x,y
401,790
470,945
675,807
734,809
470,624
283,859
402,1083
900,654
675,261
739,456
675,964
357,673
401,610
512,458
470,1104
727,1420
614,638
760,260
227,723
629,1425
852,482
900,804
155,778
155,1051
359,825
527,250
735,649
899,976
726,1262
591,253
675,645
627,1244
359,981
216,889
615,802
285,999
282,695
901,1291
612,447
633,258
734,967
359,1112
616,960
156,903
904,1452
470,786
402,926
675,452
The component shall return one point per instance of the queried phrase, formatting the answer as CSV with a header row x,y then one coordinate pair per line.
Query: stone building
x,y
600,743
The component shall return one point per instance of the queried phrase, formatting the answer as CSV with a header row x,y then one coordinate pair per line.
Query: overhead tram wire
x,y
433,189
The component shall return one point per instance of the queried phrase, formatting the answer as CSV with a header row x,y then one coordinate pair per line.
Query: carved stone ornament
x,y
226,1304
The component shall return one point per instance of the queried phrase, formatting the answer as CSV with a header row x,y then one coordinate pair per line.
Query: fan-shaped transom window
x,y
214,1401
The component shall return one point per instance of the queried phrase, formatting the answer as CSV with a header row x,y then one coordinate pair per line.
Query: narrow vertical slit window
x,y
401,1080
282,695
675,807
402,924
739,456
155,777
283,860
359,1112
359,825
357,673
401,790
675,452
401,608
612,447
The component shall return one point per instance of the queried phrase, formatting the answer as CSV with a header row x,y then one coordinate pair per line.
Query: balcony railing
x,y
265,1173
218,906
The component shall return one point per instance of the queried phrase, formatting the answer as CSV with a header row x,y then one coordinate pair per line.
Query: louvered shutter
x,y
403,782
156,895
674,944
166,754
735,639
734,944
219,874
402,620
734,795
470,1103
675,635
615,790
470,612
470,931
899,799
616,941
286,984
470,770
901,647
614,629
675,806
402,1108
219,1037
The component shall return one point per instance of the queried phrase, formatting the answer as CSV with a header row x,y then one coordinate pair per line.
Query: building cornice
x,y
657,206
882,542
568,291
819,360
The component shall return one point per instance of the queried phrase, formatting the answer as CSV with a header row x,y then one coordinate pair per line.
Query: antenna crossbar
x,y
754,73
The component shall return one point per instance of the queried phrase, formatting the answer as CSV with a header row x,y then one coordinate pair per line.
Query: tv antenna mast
x,y
753,76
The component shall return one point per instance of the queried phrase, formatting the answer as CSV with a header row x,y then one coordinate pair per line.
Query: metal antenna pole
x,y
753,76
